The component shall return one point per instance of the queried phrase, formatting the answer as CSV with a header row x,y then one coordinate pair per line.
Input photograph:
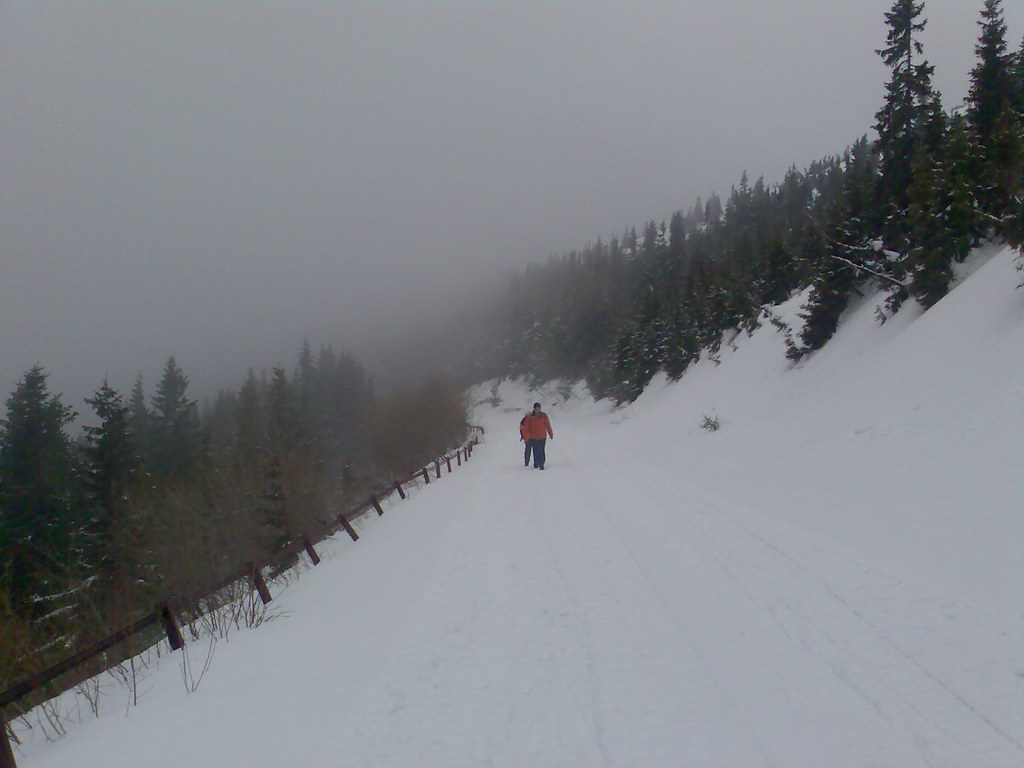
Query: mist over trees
x,y
897,212
162,497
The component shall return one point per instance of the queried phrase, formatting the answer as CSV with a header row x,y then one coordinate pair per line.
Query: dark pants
x,y
538,452
526,453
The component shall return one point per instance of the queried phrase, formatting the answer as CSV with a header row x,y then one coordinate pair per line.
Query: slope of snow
x,y
832,578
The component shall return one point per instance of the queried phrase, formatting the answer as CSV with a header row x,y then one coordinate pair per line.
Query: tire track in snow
x,y
649,647
879,632
796,567
857,652
490,673
585,643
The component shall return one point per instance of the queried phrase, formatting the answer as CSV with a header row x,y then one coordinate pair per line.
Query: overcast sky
x,y
216,180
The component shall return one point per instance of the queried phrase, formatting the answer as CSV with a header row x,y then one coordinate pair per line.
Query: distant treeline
x,y
899,212
163,498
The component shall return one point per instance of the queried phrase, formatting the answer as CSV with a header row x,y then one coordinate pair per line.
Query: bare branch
x,y
866,269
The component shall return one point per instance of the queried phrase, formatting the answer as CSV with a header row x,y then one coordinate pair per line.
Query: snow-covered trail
x,y
605,613
542,631
821,659
600,613
793,591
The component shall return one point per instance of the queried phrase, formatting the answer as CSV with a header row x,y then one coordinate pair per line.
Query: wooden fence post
x,y
376,505
173,633
437,466
426,476
348,527
313,556
6,752
398,487
458,457
448,461
260,584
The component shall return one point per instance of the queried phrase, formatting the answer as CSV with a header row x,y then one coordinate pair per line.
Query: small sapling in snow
x,y
710,423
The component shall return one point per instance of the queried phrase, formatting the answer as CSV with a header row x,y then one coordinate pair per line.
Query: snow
x,y
832,578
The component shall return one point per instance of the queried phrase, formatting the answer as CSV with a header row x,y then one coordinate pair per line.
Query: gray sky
x,y
216,180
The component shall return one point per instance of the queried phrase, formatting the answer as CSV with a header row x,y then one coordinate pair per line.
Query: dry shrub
x,y
710,423
202,532
410,429
207,530
306,494
18,644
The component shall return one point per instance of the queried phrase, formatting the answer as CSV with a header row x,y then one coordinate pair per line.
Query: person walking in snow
x,y
525,439
536,428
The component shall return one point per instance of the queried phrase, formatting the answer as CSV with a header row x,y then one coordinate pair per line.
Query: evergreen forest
x,y
163,498
897,212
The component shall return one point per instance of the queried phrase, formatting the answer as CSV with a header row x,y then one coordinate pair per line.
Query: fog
x,y
219,180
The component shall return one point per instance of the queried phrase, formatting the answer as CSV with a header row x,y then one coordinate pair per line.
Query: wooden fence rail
x,y
165,613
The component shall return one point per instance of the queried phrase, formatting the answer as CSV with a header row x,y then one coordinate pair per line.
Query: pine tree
x,y
713,210
837,247
1004,194
681,347
962,161
829,296
929,259
305,383
992,88
112,466
695,217
219,421
778,276
900,120
251,425
41,501
1014,226
1003,187
343,392
630,369
140,421
176,435
283,439
838,244
654,241
860,189
992,111
1017,78
110,450
284,428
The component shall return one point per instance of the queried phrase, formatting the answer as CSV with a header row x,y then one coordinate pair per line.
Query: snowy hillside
x,y
831,579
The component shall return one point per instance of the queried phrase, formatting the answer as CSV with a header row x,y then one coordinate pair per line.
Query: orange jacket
x,y
536,427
